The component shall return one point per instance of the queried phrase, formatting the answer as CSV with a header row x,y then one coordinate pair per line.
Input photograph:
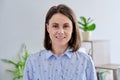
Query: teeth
x,y
60,37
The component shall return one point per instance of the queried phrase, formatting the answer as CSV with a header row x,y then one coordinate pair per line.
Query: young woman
x,y
61,59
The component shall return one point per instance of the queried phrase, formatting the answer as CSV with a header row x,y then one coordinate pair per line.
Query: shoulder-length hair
x,y
75,41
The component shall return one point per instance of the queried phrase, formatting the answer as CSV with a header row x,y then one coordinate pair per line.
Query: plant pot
x,y
86,36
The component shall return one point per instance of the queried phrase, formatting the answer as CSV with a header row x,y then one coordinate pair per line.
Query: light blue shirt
x,y
44,65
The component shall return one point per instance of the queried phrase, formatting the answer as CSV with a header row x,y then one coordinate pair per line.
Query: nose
x,y
61,31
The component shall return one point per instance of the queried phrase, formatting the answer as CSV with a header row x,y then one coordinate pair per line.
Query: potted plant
x,y
87,26
19,65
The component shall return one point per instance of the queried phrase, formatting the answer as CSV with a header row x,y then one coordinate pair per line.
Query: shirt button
x,y
62,76
49,78
56,70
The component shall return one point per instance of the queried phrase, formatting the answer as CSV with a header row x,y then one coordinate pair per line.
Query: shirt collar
x,y
49,54
68,53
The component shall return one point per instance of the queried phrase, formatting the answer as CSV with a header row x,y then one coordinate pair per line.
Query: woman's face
x,y
60,29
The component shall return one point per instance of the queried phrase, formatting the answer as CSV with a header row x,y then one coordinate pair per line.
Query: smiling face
x,y
60,30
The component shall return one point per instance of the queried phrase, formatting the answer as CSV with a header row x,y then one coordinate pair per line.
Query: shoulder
x,y
85,58
83,55
37,55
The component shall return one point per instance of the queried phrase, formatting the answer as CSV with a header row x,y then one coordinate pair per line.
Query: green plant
x,y
19,65
86,24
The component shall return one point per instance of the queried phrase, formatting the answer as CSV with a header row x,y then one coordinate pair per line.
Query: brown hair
x,y
75,41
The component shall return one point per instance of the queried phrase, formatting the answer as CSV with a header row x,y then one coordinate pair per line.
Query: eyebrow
x,y
67,23
54,23
64,23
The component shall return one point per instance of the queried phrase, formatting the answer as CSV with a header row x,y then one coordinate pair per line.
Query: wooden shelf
x,y
99,50
114,67
108,66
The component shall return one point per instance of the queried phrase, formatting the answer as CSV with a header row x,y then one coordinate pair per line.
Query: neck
x,y
58,50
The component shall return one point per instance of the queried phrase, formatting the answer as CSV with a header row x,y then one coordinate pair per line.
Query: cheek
x,y
49,30
51,33
70,35
70,32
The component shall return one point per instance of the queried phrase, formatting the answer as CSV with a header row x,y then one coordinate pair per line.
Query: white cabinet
x,y
99,50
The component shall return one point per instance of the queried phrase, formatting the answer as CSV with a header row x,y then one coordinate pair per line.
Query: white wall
x,y
22,21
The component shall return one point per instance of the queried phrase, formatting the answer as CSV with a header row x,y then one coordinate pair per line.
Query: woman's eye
x,y
66,26
55,26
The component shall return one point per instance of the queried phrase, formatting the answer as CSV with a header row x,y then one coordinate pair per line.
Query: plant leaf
x,y
20,64
86,24
89,20
91,27
12,71
83,19
9,61
80,23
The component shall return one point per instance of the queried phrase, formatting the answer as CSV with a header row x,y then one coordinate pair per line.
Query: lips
x,y
60,37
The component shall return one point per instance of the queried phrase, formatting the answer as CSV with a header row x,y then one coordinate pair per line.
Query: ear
x,y
47,27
